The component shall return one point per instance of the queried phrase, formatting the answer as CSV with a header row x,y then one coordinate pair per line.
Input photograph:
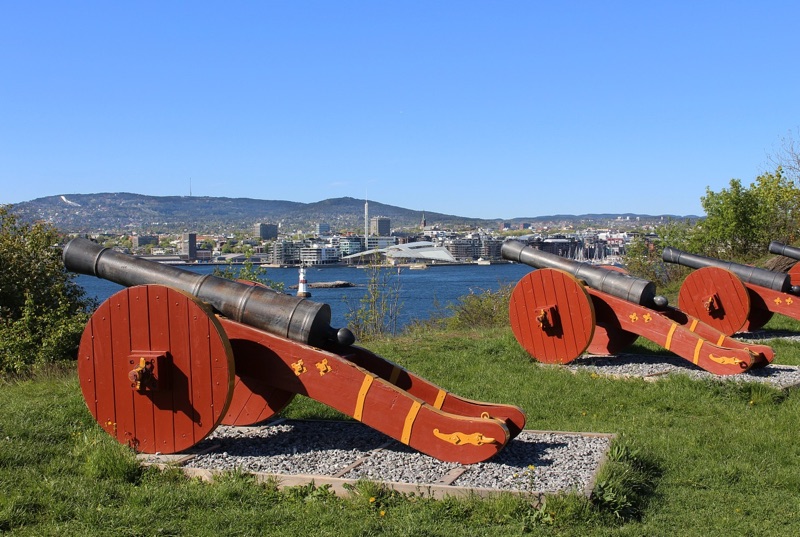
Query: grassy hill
x,y
712,458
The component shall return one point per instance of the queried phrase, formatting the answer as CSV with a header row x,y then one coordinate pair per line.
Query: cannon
x,y
566,308
791,252
175,354
730,296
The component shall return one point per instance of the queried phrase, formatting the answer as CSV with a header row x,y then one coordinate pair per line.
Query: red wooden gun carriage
x,y
165,361
567,308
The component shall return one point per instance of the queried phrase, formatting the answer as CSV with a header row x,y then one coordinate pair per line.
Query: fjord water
x,y
422,293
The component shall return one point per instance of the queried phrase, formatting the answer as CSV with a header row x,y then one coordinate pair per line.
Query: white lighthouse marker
x,y
302,286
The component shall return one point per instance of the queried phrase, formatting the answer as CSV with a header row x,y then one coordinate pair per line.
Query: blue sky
x,y
481,109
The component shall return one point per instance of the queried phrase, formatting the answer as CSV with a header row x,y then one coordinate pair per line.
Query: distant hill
x,y
120,212
124,212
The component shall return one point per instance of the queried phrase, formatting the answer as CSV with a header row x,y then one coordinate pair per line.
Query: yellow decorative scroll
x,y
724,360
459,439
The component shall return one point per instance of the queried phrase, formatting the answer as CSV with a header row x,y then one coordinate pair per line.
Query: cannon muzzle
x,y
618,284
777,281
283,315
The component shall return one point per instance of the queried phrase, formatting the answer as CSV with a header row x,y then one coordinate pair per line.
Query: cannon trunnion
x,y
161,365
557,315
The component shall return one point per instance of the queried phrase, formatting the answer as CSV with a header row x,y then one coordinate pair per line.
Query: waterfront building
x,y
318,255
188,248
375,243
266,232
380,225
490,248
413,252
140,241
350,245
323,228
464,249
285,252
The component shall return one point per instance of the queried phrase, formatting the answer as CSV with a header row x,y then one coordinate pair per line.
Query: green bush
x,y
42,310
485,309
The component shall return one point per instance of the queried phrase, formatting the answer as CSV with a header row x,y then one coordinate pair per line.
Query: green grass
x,y
693,458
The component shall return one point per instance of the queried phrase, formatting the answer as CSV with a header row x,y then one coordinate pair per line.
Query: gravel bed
x,y
654,367
541,461
291,447
532,462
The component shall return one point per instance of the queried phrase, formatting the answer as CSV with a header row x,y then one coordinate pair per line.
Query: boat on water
x,y
417,266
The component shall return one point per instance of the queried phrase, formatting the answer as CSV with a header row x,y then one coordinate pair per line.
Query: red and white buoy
x,y
302,286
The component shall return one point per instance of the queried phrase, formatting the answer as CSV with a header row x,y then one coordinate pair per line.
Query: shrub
x,y
485,309
379,308
42,310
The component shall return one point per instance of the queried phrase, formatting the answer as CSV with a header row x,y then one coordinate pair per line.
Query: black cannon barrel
x,y
779,248
295,318
777,281
618,284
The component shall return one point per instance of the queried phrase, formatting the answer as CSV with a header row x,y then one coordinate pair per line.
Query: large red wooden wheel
x,y
716,297
156,369
551,316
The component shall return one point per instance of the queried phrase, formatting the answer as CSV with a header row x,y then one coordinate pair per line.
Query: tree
x,y
741,221
787,157
249,272
379,308
42,309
